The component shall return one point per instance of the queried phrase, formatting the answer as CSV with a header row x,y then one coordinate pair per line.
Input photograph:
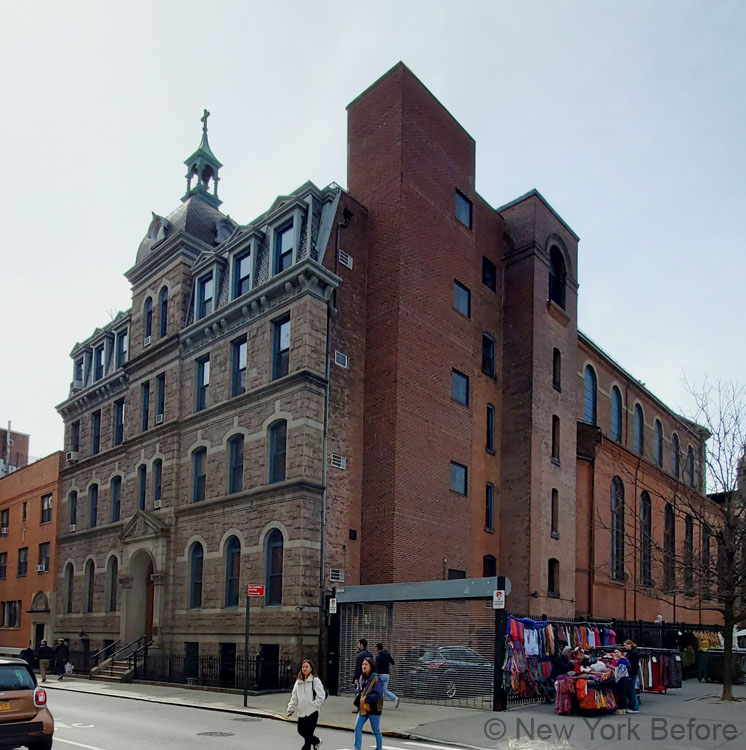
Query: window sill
x,y
456,492
463,315
555,461
555,535
460,403
553,594
556,312
488,530
557,387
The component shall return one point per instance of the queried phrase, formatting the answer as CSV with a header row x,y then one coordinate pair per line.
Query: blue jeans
x,y
375,725
386,692
632,701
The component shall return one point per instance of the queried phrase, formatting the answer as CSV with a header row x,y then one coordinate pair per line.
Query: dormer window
x,y
241,273
284,247
78,371
122,346
98,362
204,296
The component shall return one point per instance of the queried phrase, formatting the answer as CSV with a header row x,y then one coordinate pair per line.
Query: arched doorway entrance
x,y
140,598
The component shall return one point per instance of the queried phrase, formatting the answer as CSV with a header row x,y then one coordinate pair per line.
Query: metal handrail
x,y
95,657
112,658
140,650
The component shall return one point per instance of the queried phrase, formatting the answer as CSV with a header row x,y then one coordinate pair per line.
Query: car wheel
x,y
45,744
450,686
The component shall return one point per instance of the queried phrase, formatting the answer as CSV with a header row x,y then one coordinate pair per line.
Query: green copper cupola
x,y
202,169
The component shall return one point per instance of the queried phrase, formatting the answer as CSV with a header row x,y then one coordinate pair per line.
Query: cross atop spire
x,y
203,165
203,120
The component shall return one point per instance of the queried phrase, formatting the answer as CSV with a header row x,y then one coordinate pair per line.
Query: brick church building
x,y
379,384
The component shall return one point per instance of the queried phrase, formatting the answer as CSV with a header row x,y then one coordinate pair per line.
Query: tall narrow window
x,y
462,299
148,319
616,414
690,466
116,498
706,563
646,540
555,514
232,571
556,369
44,555
164,311
488,355
122,347
203,382
669,548
489,507
489,566
280,348
3,565
196,558
459,387
675,456
277,451
204,296
160,397
617,529
489,274
98,363
112,583
69,573
274,562
241,274
235,464
490,428
639,444
72,507
284,248
119,421
689,555
142,483
238,379
557,280
46,508
555,438
93,505
145,404
96,431
658,443
157,482
459,478
199,475
553,578
75,436
90,573
22,562
463,209
590,394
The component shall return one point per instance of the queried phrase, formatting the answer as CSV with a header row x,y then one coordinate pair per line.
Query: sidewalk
x,y
690,717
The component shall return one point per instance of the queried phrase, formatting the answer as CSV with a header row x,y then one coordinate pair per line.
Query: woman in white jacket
x,y
307,696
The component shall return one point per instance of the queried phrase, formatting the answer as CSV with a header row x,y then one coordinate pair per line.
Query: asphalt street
x,y
95,722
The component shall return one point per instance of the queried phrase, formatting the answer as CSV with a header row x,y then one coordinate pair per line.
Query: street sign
x,y
332,606
498,599
254,589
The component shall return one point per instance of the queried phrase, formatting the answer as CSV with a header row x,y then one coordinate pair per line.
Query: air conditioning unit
x,y
341,359
147,341
71,457
345,259
41,568
337,575
4,531
156,504
339,462
72,527
159,418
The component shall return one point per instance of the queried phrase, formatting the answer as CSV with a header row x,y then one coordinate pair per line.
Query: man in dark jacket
x,y
44,655
384,660
61,657
27,655
561,664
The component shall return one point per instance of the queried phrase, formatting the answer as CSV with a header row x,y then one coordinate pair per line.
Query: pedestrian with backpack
x,y
307,696
369,700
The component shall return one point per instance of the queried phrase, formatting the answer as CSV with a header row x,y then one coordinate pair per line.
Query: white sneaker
x,y
396,703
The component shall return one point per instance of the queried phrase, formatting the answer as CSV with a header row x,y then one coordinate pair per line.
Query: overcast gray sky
x,y
629,117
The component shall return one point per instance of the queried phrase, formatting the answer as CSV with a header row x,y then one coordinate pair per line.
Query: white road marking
x,y
432,747
77,744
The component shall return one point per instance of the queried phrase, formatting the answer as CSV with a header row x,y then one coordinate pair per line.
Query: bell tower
x,y
203,167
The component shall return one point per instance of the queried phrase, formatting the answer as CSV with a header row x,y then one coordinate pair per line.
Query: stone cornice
x,y
95,393
183,242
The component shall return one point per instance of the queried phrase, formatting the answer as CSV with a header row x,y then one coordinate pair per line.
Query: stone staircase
x,y
113,671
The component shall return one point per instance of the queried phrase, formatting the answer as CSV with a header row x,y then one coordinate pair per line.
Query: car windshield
x,y
15,678
461,654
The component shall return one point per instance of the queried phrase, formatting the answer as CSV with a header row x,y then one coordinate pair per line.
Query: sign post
x,y
499,696
251,590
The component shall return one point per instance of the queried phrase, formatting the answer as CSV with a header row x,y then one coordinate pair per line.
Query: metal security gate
x,y
444,649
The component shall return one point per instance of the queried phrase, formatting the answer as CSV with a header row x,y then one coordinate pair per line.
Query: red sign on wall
x,y
255,590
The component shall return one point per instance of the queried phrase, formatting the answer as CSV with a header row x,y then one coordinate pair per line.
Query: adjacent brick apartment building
x,y
14,449
28,504
378,385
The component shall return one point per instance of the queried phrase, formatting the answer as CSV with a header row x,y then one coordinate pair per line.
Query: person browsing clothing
x,y
370,695
306,699
384,660
561,664
633,657
621,677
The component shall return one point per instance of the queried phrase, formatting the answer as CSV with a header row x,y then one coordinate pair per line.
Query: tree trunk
x,y
728,651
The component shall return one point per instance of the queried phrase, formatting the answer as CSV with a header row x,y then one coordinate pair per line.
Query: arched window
x,y
69,576
590,388
639,445
72,505
199,474
689,555
148,318
690,466
675,456
112,578
93,505
90,572
164,311
273,593
142,483
557,277
555,438
232,571
556,369
669,548
554,529
277,451
235,464
157,482
646,540
553,578
617,529
489,507
196,558
658,444
115,490
489,566
616,414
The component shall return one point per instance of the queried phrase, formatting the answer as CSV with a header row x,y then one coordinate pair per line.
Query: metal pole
x,y
246,654
499,698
